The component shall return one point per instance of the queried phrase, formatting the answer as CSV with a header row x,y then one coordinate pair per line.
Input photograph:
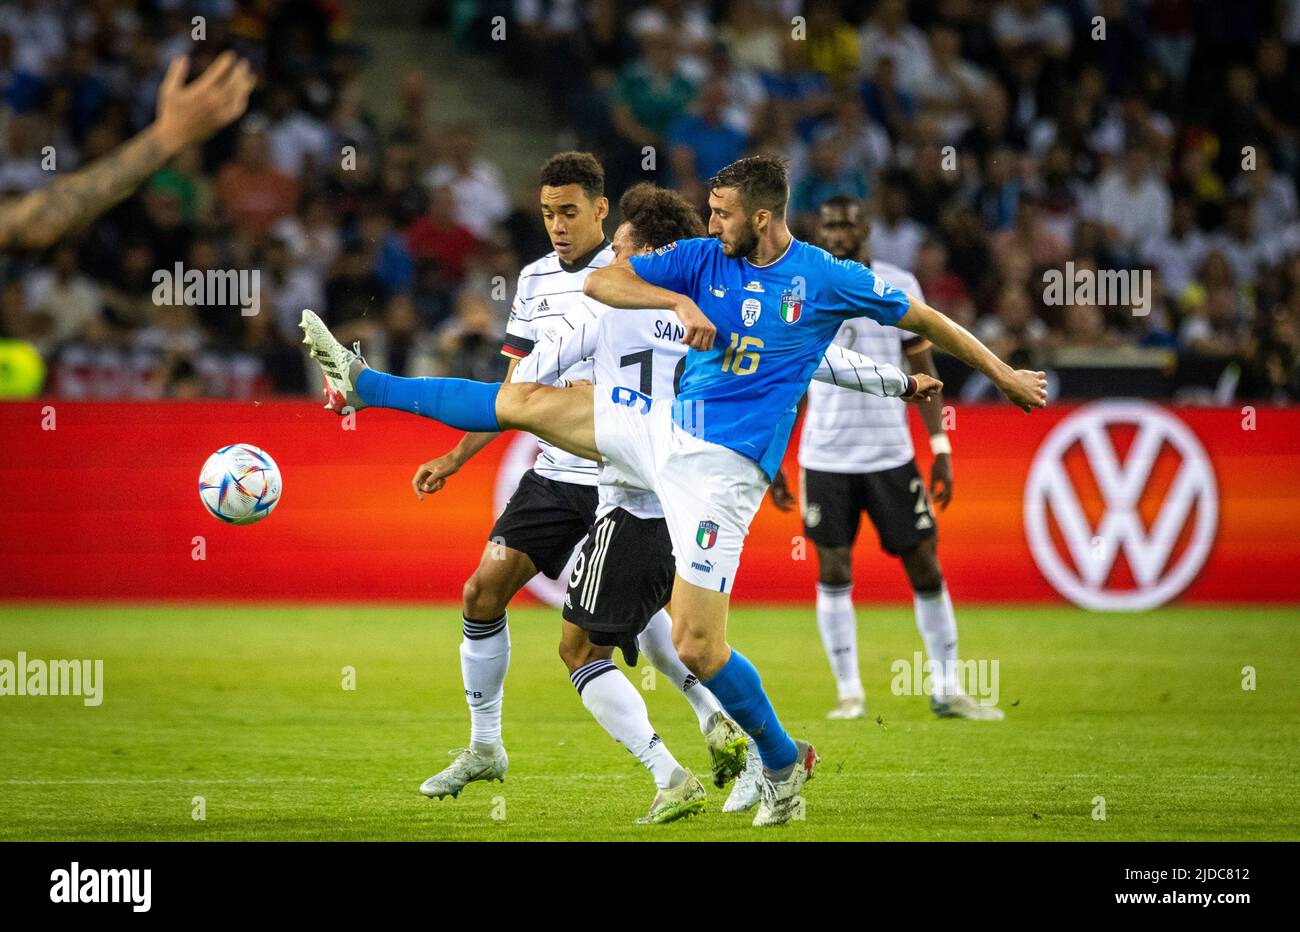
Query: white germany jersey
x,y
549,289
642,350
853,432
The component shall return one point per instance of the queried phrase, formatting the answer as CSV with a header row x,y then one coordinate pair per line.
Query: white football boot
x,y
676,802
963,706
781,799
339,364
468,766
748,788
852,707
727,744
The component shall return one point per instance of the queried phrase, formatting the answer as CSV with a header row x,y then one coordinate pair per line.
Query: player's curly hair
x,y
659,216
580,168
762,181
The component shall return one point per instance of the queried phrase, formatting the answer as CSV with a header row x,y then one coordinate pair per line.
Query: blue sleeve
x,y
675,266
859,292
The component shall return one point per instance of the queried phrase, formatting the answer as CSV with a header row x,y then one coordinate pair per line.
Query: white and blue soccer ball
x,y
240,484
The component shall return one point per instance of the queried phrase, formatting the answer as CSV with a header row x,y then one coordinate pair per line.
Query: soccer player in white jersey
x,y
624,573
554,505
555,502
855,455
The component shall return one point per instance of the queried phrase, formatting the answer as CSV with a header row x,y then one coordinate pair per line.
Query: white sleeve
x,y
847,369
572,340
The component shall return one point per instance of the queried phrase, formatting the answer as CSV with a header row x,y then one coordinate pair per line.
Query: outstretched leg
x,y
562,416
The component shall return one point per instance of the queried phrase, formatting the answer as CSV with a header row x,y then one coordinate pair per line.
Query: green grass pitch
x,y
244,706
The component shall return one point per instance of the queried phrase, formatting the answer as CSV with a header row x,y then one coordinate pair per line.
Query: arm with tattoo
x,y
186,115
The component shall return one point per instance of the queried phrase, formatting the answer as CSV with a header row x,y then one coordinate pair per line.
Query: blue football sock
x,y
739,689
458,403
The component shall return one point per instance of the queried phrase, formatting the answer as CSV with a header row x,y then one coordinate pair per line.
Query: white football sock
x,y
484,659
614,702
938,626
656,642
838,624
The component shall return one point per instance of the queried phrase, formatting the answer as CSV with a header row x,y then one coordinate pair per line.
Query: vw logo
x,y
1186,510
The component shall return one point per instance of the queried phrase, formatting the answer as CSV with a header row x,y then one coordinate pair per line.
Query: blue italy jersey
x,y
774,323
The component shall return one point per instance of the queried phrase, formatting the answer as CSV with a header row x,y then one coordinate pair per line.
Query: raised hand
x,y
191,113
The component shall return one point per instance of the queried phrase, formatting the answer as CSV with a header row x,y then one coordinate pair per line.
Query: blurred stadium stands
x,y
993,141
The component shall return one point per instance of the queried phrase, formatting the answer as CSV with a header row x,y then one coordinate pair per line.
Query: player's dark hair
x,y
659,216
761,181
580,168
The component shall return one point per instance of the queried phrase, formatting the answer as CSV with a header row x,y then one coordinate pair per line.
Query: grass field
x,y
244,706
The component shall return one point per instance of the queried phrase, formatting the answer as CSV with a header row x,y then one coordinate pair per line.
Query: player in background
x,y
855,455
709,455
186,115
624,573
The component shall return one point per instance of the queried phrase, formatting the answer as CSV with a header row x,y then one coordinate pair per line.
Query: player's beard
x,y
746,243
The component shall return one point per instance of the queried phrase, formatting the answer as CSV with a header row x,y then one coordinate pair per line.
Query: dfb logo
x,y
1164,473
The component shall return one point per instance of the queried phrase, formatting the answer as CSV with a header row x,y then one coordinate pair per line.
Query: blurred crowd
x,y
992,140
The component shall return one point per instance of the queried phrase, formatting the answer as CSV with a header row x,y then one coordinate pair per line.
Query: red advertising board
x,y
1111,505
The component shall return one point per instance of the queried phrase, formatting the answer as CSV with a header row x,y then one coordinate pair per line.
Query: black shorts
x,y
546,519
623,576
895,500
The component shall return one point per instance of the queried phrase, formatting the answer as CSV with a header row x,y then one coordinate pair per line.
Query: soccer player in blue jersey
x,y
758,308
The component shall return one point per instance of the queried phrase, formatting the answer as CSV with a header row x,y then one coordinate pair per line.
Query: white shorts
x,y
709,493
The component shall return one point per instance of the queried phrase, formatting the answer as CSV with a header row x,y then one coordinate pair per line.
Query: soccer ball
x,y
240,484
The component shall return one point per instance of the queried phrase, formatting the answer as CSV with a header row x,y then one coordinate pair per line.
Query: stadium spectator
x,y
895,236
470,342
686,26
752,37
889,36
1013,331
827,177
863,147
1020,23
952,85
745,94
803,94
1032,236
651,93
438,235
1133,204
1177,254
1248,255
476,186
61,298
701,142
832,43
1272,196
251,191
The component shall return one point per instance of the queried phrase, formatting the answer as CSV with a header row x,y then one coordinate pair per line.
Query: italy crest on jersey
x,y
707,535
791,307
